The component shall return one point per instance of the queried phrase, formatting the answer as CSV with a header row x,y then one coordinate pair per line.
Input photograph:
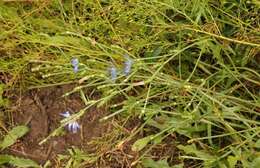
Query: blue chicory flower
x,y
113,73
73,126
127,65
75,64
76,69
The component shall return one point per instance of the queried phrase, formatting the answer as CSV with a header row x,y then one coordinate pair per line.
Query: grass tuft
x,y
193,75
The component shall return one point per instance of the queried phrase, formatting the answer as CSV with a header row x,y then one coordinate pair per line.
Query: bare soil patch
x,y
40,109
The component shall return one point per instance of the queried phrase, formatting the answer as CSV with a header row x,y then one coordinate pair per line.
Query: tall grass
x,y
195,68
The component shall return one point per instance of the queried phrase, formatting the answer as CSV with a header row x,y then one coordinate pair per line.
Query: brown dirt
x,y
40,110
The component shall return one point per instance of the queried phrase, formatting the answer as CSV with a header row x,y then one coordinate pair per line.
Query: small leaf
x,y
13,135
255,163
18,162
257,144
158,139
191,149
141,143
150,163
256,2
181,165
4,159
232,161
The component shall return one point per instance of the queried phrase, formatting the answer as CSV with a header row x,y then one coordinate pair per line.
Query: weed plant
x,y
194,70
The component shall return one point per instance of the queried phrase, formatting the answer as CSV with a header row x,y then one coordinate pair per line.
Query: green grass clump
x,y
195,70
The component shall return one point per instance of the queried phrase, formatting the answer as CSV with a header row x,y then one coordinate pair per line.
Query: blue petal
x,y
78,126
74,62
74,130
113,73
66,114
70,126
128,65
76,69
75,127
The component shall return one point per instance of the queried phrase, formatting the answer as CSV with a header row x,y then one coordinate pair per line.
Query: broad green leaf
x,y
191,149
13,135
153,123
232,161
141,143
150,163
157,51
4,159
18,162
158,139
216,50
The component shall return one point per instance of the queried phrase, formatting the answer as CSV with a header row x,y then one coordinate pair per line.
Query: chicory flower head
x,y
113,73
73,126
127,65
75,64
